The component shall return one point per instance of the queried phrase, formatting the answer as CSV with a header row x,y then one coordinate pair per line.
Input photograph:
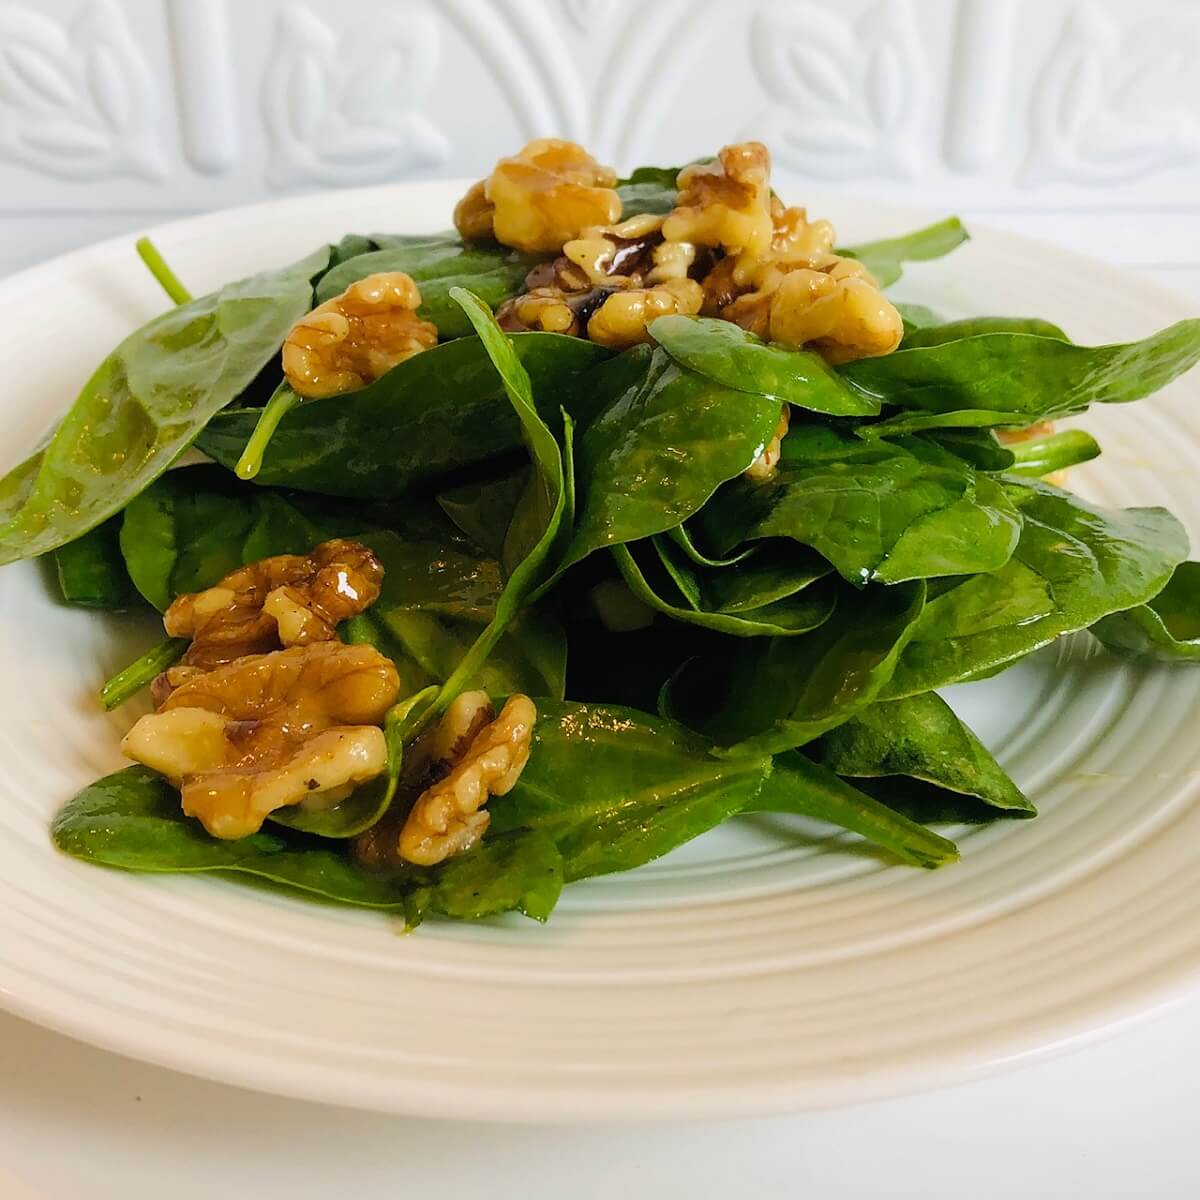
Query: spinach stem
x,y
282,401
1055,452
127,683
168,280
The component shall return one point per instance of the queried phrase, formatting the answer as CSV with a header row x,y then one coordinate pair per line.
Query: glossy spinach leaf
x,y
876,510
682,536
662,440
133,819
91,571
615,788
953,331
437,264
774,694
923,740
789,615
1075,563
437,415
146,403
1040,456
648,190
1018,378
1165,629
917,316
484,510
979,447
885,258
727,354
806,788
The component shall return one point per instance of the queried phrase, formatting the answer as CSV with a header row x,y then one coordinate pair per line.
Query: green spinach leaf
x,y
648,190
806,788
1075,563
922,739
91,571
146,403
727,354
953,331
1040,456
436,415
885,258
877,511
1165,629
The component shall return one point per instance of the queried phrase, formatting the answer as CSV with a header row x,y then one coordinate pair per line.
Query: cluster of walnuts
x,y
729,249
270,709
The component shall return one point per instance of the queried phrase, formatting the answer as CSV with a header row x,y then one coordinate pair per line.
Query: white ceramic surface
x,y
749,972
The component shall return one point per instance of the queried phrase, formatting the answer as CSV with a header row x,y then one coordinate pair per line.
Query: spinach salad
x,y
530,551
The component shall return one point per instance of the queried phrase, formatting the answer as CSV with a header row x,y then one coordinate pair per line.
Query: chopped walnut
x,y
288,600
795,236
726,203
616,254
621,320
449,816
550,309
356,337
832,306
270,730
540,198
763,467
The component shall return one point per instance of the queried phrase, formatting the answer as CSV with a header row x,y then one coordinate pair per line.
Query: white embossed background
x,y
1078,120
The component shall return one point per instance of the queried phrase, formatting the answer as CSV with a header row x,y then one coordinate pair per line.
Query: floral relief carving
x,y
342,111
78,102
1114,104
847,98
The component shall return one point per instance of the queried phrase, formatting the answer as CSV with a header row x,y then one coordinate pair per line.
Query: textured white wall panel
x,y
1076,119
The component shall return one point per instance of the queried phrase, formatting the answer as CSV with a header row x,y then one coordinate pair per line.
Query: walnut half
x,y
356,337
270,730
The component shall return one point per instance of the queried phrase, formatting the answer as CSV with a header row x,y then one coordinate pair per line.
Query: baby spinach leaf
x,y
921,737
615,788
437,264
1055,452
663,440
1019,378
917,316
790,615
726,353
435,415
1165,629
884,258
878,510
91,571
773,694
146,403
808,789
1075,563
484,510
979,447
953,331
681,535
133,820
367,803
648,190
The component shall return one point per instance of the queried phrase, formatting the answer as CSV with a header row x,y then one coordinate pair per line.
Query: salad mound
x,y
530,551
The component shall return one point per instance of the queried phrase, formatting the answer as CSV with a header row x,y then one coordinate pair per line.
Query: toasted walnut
x,y
551,310
795,236
474,215
832,306
621,320
356,337
540,198
288,600
726,203
449,816
763,467
614,254
270,730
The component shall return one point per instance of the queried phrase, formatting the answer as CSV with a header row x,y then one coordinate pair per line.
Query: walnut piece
x,y
449,816
763,467
540,198
270,730
621,320
356,337
828,304
288,600
726,203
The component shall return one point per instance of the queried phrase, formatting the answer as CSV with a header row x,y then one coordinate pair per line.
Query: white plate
x,y
749,972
